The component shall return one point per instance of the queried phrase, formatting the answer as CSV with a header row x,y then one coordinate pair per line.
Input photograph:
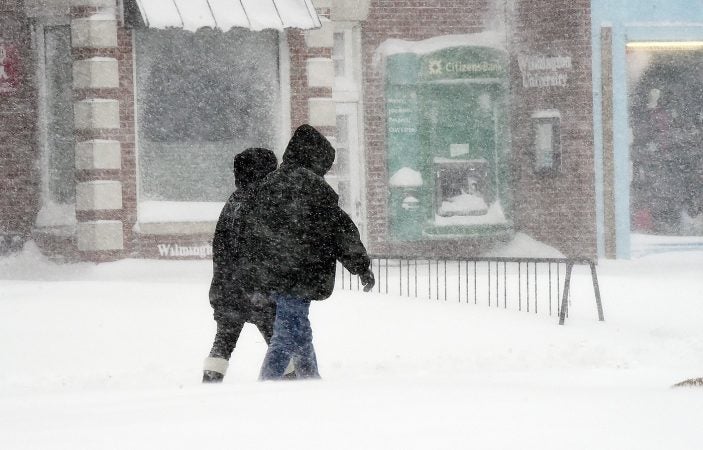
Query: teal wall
x,y
631,20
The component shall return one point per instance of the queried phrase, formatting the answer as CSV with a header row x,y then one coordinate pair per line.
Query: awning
x,y
225,14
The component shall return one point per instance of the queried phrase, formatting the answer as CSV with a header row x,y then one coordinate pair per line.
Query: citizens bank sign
x,y
438,67
9,69
544,71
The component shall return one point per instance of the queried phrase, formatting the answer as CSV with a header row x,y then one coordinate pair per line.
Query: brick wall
x,y
300,92
19,154
557,210
298,78
127,136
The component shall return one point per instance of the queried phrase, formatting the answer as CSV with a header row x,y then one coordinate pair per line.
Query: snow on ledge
x,y
406,177
490,39
164,211
524,246
56,214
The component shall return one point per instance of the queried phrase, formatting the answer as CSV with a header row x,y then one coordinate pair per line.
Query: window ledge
x,y
169,217
175,228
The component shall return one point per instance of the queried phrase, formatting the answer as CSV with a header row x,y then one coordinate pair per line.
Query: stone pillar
x,y
318,80
100,230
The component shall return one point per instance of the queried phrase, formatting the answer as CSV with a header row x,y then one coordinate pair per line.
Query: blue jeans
x,y
292,337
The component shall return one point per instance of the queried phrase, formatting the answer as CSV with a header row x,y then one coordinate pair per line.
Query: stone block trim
x,y
98,154
321,37
94,3
96,113
350,10
322,3
100,235
96,73
322,112
98,195
320,72
97,31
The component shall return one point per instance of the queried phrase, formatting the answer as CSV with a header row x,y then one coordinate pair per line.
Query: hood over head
x,y
252,165
308,148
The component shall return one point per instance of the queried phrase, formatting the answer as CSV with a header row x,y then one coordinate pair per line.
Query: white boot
x,y
214,369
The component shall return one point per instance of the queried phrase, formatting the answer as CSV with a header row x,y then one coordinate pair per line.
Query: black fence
x,y
532,285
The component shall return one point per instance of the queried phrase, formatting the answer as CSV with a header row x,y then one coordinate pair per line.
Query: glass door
x,y
348,171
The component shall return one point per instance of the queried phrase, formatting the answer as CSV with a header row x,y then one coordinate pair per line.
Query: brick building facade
x,y
556,207
332,78
18,151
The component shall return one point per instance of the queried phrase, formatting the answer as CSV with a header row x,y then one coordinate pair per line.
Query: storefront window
x,y
58,156
59,114
447,146
201,98
339,55
666,118
343,55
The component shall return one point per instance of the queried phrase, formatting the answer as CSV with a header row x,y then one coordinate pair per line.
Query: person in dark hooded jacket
x,y
232,311
290,246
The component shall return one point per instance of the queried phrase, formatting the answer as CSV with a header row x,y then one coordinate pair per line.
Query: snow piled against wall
x,y
406,177
490,39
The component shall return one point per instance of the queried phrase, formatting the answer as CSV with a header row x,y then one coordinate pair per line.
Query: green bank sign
x,y
462,63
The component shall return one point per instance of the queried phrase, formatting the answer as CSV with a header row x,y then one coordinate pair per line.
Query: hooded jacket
x,y
250,167
296,231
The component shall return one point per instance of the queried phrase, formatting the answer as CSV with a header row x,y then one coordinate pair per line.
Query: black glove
x,y
368,280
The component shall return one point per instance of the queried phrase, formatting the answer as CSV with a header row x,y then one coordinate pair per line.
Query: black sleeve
x,y
350,250
221,257
251,259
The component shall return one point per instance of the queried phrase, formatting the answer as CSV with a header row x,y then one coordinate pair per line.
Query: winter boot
x,y
214,369
290,374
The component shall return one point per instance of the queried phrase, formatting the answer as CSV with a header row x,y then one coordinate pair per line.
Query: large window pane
x,y
59,115
666,119
201,98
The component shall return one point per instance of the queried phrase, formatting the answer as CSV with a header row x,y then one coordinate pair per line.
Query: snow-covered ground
x,y
109,357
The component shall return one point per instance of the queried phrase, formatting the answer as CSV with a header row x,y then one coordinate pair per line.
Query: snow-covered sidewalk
x,y
109,357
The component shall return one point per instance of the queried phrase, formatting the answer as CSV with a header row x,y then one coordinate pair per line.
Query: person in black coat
x,y
290,245
231,310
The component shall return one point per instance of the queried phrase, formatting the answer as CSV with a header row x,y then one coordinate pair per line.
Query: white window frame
x,y
47,208
349,82
347,94
173,226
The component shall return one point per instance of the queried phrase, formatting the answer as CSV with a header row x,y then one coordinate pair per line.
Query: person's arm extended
x,y
351,251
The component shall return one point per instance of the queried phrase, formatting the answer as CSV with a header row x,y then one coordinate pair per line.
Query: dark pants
x,y
292,337
231,322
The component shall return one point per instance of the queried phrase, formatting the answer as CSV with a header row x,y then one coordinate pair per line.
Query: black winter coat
x,y
296,231
225,250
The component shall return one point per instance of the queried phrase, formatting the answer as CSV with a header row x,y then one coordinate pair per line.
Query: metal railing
x,y
536,285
